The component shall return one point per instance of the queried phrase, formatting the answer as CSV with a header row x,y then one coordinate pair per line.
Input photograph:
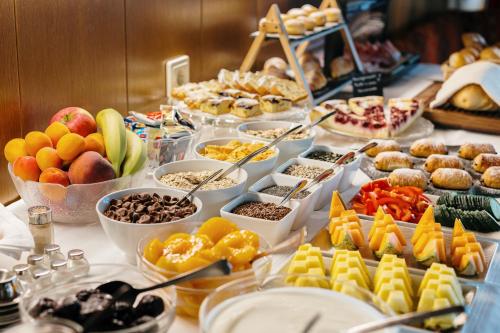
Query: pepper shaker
x,y
41,227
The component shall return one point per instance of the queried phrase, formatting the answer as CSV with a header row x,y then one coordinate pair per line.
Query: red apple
x,y
77,120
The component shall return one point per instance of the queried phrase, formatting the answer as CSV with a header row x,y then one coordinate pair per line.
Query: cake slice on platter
x,y
402,113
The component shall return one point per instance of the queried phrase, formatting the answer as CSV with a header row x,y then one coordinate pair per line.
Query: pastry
x,y
285,17
333,104
491,177
287,88
316,80
408,177
471,150
319,18
295,27
392,160
490,53
194,99
308,22
296,12
472,97
227,77
275,66
403,112
273,103
365,118
426,147
473,38
451,179
234,93
245,107
341,66
181,92
332,14
267,26
459,59
436,161
309,8
217,105
383,145
483,161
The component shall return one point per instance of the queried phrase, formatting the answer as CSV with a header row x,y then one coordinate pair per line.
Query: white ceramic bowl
x,y
328,185
288,148
350,169
272,231
255,169
213,200
307,204
126,235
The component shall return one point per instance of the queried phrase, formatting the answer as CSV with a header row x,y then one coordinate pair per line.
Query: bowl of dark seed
x,y
129,214
278,185
331,155
263,214
186,174
302,168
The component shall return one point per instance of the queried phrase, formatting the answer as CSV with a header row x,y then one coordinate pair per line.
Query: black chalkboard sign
x,y
367,85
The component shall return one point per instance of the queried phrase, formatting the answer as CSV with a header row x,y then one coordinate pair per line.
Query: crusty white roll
x,y
319,18
332,14
295,27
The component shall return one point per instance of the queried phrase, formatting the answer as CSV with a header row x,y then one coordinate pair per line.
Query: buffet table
x,y
99,249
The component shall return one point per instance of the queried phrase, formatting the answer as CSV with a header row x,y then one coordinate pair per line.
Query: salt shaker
x,y
36,261
41,227
42,277
52,252
24,276
60,272
77,264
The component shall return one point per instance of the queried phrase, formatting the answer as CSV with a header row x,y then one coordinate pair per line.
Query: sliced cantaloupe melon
x,y
458,228
426,219
425,229
337,206
350,237
390,245
467,255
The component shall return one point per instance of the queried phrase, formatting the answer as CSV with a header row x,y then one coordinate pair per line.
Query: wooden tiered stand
x,y
293,46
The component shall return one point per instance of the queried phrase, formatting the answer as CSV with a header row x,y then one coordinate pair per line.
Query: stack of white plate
x,y
9,313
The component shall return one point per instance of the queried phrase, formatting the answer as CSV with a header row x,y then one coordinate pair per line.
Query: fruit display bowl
x,y
75,203
102,273
191,294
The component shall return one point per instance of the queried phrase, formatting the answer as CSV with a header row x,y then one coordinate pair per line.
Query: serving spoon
x,y
295,189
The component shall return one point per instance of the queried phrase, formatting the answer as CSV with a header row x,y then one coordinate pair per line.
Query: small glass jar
x,y
41,227
60,272
52,252
77,264
36,261
42,278
24,275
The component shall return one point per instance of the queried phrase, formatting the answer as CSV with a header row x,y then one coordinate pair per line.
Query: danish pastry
x,y
436,161
451,179
483,161
426,147
408,177
471,150
383,145
392,160
491,177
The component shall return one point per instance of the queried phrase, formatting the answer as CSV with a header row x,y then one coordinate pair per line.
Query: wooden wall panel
x,y
70,53
10,112
157,30
226,26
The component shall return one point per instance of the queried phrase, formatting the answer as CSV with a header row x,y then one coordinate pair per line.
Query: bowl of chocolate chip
x,y
127,215
262,214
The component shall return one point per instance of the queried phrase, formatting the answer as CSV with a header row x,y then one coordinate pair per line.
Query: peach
x,y
70,146
56,131
54,176
26,168
15,148
47,158
35,141
90,167
95,142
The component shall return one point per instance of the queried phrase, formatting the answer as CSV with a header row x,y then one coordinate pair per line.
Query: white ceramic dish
x,y
272,231
328,185
350,169
126,235
288,148
255,169
307,204
213,200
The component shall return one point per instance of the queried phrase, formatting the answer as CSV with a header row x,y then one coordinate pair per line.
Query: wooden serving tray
x,y
450,116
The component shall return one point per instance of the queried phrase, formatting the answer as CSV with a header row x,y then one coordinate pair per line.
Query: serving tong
x,y
197,187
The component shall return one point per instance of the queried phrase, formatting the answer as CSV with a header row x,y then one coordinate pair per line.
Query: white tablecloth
x,y
99,249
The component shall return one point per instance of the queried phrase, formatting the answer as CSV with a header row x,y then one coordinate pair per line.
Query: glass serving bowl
x,y
191,294
75,203
364,305
101,273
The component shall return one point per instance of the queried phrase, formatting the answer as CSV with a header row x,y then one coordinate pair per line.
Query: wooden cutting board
x,y
451,116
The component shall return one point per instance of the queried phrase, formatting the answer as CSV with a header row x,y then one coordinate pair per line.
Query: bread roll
x,y
295,27
473,38
276,62
459,59
309,9
426,147
436,161
309,23
490,53
383,145
319,18
471,150
491,177
472,97
483,161
341,66
268,26
392,160
451,179
296,12
316,79
408,177
332,14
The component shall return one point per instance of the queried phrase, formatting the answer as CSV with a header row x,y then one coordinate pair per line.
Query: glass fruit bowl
x,y
190,294
275,304
98,274
75,203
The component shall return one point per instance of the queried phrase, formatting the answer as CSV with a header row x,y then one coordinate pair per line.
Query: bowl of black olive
x,y
83,303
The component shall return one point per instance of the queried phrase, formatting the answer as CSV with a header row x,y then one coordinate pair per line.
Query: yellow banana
x,y
112,126
135,155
